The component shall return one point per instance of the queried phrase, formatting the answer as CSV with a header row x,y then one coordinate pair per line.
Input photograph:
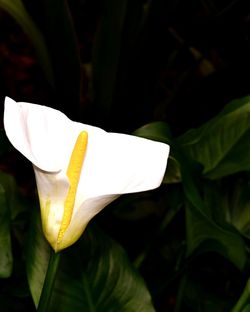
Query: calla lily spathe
x,y
79,169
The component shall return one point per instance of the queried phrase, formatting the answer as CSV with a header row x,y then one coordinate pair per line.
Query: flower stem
x,y
49,281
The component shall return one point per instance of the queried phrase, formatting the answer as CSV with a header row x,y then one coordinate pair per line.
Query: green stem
x,y
244,298
49,281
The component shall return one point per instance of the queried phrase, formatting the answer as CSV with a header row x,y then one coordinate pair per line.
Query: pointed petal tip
x,y
8,100
25,125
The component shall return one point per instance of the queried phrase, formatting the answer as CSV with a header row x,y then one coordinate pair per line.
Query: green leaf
x,y
202,231
93,275
157,131
173,171
246,308
7,186
222,145
17,10
233,105
236,206
200,225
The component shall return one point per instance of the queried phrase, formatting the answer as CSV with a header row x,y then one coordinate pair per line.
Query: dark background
x,y
180,62
188,60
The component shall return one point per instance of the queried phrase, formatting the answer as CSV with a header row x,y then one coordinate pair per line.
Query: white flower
x,y
79,168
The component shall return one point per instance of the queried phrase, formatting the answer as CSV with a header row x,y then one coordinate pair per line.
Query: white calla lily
x,y
79,169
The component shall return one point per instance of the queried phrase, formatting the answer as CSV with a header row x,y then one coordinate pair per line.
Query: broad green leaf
x,y
17,10
233,105
7,186
173,172
158,131
200,224
246,308
204,231
193,136
222,145
94,275
236,206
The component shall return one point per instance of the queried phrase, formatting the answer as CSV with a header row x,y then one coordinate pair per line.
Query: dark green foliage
x,y
94,275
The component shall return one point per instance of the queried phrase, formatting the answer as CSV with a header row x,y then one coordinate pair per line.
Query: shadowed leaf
x,y
94,275
222,145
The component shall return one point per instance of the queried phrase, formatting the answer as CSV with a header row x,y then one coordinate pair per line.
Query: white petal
x,y
115,164
81,218
37,132
43,135
52,190
119,164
